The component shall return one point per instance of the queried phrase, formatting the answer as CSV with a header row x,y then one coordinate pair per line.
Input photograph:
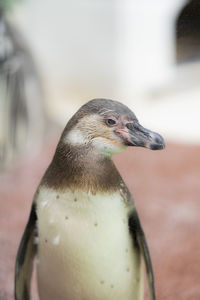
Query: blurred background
x,y
57,55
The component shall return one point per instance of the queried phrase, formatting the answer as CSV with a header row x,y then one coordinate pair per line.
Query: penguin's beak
x,y
136,135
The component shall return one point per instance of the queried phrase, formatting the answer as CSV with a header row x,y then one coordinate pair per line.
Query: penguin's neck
x,y
83,168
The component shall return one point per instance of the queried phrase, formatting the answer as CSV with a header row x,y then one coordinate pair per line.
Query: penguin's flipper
x,y
140,240
24,260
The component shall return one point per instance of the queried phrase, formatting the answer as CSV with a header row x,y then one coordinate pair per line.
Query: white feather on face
x,y
92,129
76,137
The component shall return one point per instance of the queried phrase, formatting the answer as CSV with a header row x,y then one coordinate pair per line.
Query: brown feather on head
x,y
99,129
109,126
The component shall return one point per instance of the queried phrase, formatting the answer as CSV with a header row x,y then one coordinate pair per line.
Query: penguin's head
x,y
109,127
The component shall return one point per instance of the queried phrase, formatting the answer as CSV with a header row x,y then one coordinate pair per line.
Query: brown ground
x,y
166,188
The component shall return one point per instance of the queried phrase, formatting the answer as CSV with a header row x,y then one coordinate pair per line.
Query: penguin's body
x,y
89,239
84,253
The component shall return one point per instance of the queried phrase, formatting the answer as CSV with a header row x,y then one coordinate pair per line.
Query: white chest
x,y
85,249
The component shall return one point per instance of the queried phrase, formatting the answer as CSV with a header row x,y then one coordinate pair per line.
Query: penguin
x,y
83,226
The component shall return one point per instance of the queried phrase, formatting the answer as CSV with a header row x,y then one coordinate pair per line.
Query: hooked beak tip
x,y
156,146
157,143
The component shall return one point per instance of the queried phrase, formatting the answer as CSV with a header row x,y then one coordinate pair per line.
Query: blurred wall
x,y
125,50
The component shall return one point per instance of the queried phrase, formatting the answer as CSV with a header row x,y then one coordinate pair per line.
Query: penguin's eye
x,y
110,122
